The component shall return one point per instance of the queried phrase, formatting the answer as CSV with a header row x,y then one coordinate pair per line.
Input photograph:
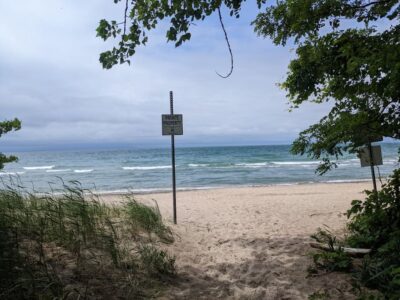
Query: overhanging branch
x,y
228,44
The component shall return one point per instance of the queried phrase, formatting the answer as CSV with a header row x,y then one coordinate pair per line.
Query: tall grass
x,y
149,219
73,244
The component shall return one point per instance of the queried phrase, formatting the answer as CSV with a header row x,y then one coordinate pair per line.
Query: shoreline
x,y
227,187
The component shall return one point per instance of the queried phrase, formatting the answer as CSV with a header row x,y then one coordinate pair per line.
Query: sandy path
x,y
251,243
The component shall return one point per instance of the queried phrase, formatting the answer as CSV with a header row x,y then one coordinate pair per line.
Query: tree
x,y
7,126
357,68
348,53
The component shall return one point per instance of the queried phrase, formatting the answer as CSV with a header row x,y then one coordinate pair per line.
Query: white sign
x,y
365,157
172,124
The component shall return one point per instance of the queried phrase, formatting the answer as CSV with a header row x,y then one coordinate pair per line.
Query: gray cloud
x,y
51,79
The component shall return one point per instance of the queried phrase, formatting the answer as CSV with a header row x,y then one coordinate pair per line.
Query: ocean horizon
x,y
144,170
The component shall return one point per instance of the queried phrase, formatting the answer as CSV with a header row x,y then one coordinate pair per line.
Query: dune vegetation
x,y
70,245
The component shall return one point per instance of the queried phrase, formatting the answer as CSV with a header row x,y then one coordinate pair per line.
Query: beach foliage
x,y
142,16
335,259
5,127
72,245
373,224
347,54
375,220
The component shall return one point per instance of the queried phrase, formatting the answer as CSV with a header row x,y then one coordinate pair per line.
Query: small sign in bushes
x,y
365,156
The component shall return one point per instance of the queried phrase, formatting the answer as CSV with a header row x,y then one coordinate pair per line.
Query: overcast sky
x,y
50,78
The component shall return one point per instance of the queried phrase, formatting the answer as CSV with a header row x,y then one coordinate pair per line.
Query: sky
x,y
51,79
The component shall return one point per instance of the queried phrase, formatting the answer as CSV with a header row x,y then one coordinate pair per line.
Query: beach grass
x,y
146,218
73,244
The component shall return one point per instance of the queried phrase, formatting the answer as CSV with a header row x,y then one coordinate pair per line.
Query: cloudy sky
x,y
50,78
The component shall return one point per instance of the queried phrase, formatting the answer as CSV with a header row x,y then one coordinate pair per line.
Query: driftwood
x,y
350,251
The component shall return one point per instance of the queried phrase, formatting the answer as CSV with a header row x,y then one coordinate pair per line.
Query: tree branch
x,y
370,3
125,15
228,44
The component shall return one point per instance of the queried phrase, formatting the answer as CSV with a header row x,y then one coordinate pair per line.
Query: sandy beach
x,y
252,242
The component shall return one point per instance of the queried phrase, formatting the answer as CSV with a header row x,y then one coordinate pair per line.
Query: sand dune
x,y
252,243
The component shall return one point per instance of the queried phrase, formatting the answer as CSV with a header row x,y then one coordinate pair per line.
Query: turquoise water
x,y
143,170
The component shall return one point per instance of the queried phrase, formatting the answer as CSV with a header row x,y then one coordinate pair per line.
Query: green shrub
x,y
335,259
332,261
375,224
147,218
374,221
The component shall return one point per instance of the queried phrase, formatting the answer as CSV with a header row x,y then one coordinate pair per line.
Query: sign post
x,y
371,159
372,156
172,125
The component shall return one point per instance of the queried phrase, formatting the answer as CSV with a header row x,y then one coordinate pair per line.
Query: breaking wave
x,y
83,171
147,168
39,168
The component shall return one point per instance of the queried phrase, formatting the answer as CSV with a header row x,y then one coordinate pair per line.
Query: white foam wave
x,y
304,163
198,165
83,171
345,180
130,191
58,170
39,168
147,168
252,165
225,167
11,173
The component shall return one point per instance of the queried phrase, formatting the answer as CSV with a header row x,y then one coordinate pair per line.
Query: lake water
x,y
145,170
